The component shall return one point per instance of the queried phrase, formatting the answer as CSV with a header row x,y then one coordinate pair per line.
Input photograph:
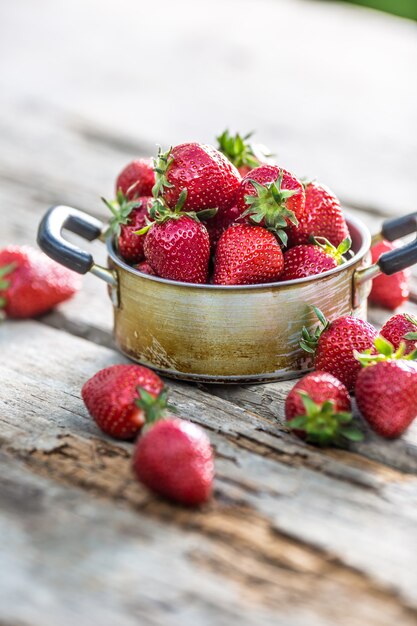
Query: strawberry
x,y
173,457
32,284
323,217
111,398
129,216
247,255
208,176
177,244
221,222
401,327
271,197
136,179
318,409
240,151
333,345
303,261
388,292
386,388
145,268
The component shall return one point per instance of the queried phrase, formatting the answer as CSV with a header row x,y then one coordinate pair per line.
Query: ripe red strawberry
x,y
173,457
136,179
177,244
303,261
334,344
111,398
220,222
323,217
388,292
247,255
244,156
145,268
32,284
401,327
128,218
209,177
271,197
318,409
386,394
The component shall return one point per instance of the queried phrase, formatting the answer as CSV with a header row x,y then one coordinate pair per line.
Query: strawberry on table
x,y
270,196
318,409
177,244
173,457
129,216
388,292
333,345
111,398
401,327
247,255
32,284
136,179
240,151
323,217
302,261
386,388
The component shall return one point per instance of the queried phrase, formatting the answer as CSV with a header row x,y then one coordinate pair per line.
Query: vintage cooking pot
x,y
226,334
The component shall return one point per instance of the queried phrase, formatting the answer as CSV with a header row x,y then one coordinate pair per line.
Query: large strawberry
x,y
32,284
401,327
334,343
177,244
240,151
111,398
208,176
173,457
302,261
270,196
386,388
129,216
247,255
318,409
136,179
388,292
323,217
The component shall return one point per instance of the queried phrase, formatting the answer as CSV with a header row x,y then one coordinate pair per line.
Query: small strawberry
x,y
388,292
318,409
323,217
136,179
32,284
271,197
401,327
129,216
111,398
333,345
145,268
244,156
208,176
173,457
177,244
247,255
303,261
386,388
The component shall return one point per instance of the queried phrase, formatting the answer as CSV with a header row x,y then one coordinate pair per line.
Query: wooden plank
x,y
329,501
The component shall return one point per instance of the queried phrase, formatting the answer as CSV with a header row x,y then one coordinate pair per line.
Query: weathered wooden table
x,y
294,536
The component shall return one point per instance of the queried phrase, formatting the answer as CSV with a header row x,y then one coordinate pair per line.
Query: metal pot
x,y
227,334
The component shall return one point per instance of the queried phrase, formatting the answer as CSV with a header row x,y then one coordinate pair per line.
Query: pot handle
x,y
395,260
51,241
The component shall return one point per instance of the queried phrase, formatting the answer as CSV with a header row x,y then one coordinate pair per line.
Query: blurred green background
x,y
404,8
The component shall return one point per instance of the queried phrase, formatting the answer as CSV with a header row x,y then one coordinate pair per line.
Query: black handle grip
x,y
51,241
398,227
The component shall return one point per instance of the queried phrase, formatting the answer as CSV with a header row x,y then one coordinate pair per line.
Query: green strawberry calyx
x,y
322,424
384,351
159,212
411,336
269,206
336,253
5,272
161,166
154,407
309,340
121,209
238,149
